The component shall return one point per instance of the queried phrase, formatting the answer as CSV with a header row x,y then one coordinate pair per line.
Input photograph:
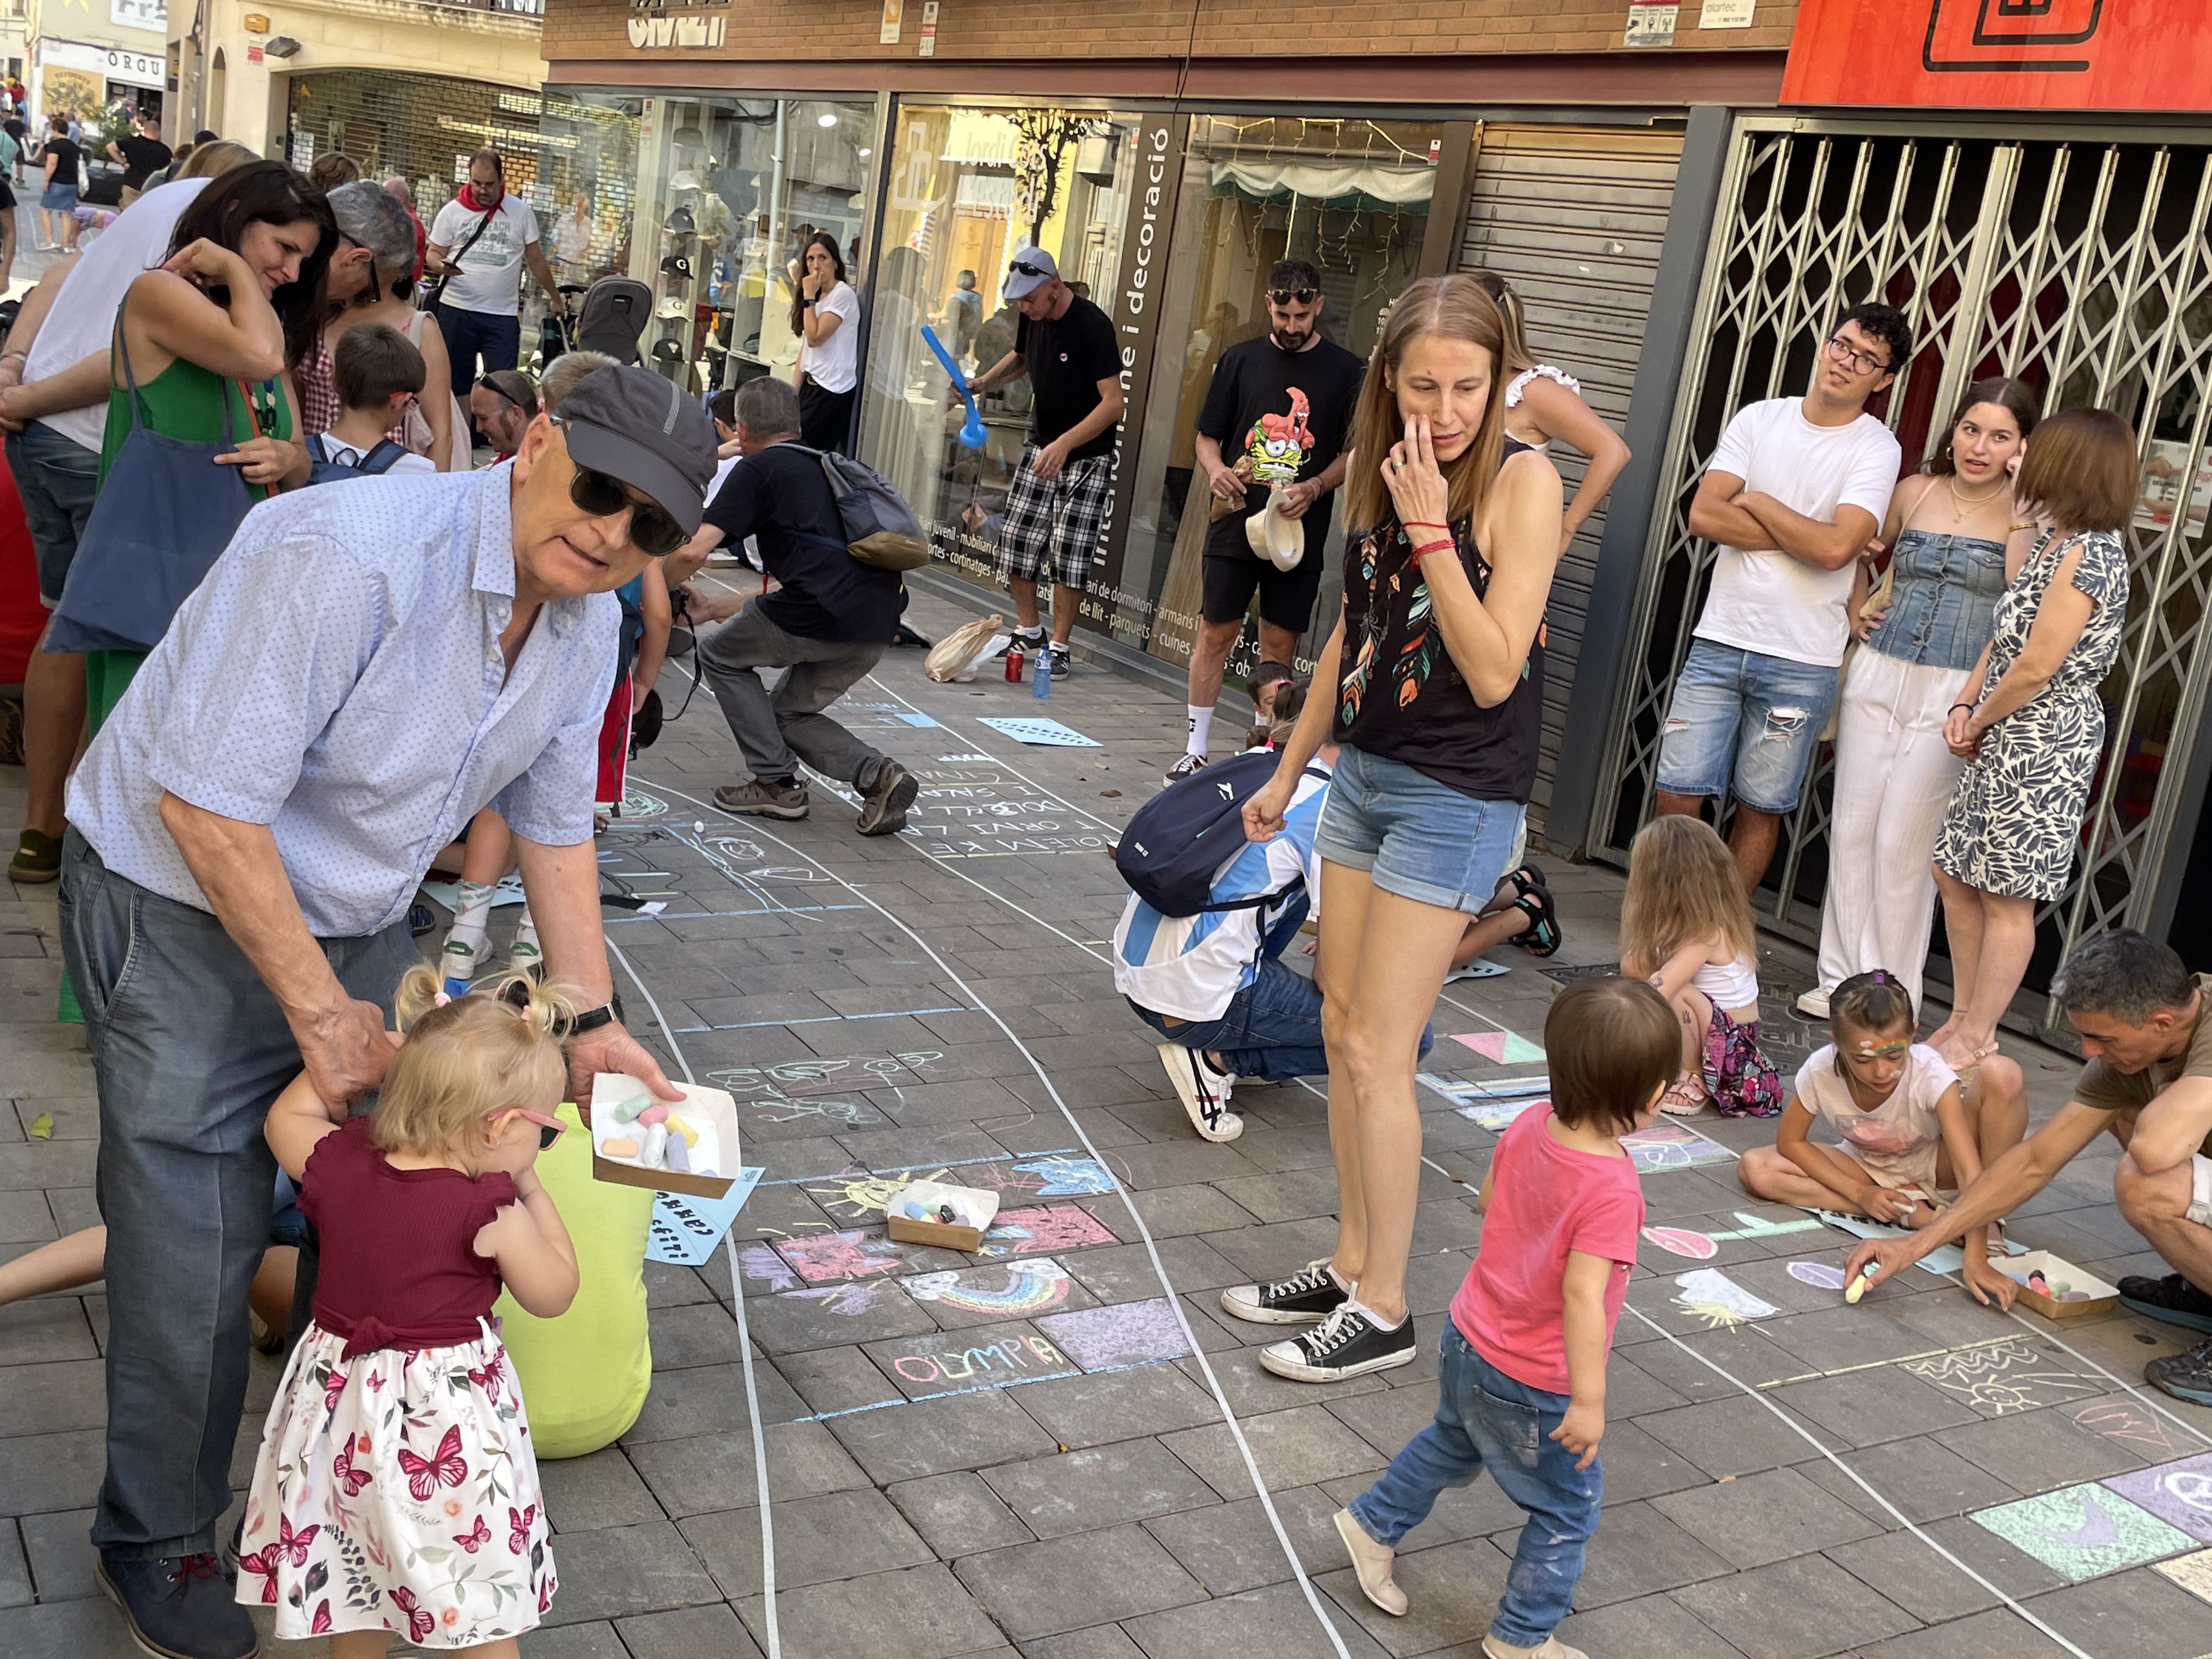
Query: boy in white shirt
x,y
1795,490
378,372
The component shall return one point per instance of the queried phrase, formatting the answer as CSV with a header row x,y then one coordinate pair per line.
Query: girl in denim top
x,y
1947,528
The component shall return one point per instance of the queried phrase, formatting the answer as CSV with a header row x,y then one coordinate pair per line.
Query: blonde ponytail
x,y
466,1057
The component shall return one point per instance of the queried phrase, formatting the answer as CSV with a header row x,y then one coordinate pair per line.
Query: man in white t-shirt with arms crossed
x,y
480,243
1795,490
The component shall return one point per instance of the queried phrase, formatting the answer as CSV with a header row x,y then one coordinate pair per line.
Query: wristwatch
x,y
591,1019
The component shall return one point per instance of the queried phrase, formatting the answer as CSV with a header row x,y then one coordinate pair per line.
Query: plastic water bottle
x,y
1041,678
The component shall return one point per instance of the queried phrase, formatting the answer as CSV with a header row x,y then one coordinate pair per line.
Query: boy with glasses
x,y
1796,489
1056,508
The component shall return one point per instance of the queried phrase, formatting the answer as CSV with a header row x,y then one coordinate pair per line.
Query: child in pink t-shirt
x,y
1522,1371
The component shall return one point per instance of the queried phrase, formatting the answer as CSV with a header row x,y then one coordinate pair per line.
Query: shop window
x,y
969,189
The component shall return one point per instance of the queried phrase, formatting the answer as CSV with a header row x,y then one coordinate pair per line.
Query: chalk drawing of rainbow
x,y
1019,1288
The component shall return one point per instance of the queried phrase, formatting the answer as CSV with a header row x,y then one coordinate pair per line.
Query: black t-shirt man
x,y
780,496
1066,358
1289,413
142,156
66,155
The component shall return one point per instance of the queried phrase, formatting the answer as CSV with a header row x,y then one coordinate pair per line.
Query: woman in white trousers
x,y
1948,529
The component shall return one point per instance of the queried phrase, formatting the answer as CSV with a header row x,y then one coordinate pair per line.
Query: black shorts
x,y
1286,597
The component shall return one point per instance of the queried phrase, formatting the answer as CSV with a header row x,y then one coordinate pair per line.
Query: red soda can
x,y
1014,655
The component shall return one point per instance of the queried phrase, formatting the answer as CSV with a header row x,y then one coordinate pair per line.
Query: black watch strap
x,y
591,1018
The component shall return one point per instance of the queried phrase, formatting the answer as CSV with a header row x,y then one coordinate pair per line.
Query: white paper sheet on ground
x,y
1943,1259
1718,1300
448,893
1048,734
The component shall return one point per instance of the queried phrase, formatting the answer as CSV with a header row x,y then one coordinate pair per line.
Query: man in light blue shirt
x,y
366,667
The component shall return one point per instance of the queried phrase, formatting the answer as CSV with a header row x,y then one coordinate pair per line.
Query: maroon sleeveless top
x,y
399,1267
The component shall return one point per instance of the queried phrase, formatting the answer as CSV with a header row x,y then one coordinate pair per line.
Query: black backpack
x,y
380,459
880,529
1181,838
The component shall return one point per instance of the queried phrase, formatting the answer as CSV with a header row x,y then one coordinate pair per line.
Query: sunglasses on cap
x,y
652,532
1024,268
1285,296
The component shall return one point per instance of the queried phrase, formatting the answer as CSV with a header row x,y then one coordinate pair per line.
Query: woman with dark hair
x,y
1436,677
232,311
371,280
1947,530
2030,724
63,162
825,313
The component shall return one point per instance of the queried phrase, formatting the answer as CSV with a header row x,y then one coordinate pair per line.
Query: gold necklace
x,y
1959,509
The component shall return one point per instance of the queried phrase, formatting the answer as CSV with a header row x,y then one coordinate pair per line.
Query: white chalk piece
x,y
1857,1287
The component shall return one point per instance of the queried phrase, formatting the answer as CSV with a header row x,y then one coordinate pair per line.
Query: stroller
x,y
612,318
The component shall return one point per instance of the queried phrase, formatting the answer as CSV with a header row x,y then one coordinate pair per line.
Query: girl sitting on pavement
x,y
1913,1134
1685,926
397,1492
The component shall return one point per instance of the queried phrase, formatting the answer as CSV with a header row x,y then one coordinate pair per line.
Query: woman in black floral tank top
x,y
1438,671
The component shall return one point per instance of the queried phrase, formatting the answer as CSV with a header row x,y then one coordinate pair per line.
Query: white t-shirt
x,y
1769,602
323,447
490,279
82,320
834,364
1898,1141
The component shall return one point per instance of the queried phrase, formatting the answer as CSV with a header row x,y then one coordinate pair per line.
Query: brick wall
x,y
984,30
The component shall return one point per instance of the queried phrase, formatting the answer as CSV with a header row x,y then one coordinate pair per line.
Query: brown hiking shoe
x,y
759,799
883,808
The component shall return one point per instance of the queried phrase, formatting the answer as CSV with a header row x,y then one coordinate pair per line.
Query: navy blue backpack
x,y
1179,840
378,460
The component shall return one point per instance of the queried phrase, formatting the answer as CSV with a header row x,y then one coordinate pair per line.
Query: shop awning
x,y
1342,184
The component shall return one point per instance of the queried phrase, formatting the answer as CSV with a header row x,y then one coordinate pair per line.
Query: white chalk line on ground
x,y
1151,1248
744,1335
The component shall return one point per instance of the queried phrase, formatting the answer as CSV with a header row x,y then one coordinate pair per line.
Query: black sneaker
x,y
1184,767
1061,667
2184,1376
1349,1343
181,1606
2172,1299
1030,644
1304,1298
883,809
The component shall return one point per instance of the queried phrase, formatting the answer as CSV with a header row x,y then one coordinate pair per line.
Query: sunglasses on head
x,y
1024,268
1285,296
490,383
652,532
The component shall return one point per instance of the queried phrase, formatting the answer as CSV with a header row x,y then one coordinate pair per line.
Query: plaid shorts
x,y
1051,530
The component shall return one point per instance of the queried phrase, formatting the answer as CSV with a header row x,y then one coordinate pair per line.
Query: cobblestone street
x,y
1027,1457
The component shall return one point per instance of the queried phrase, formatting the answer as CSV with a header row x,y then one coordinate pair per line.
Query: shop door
x,y
2080,266
1573,218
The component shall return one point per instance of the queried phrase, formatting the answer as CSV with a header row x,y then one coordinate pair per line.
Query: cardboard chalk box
x,y
974,1208
709,1111
2058,1273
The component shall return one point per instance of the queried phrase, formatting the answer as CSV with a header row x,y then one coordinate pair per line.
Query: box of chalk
x,y
932,1212
2054,1286
638,1140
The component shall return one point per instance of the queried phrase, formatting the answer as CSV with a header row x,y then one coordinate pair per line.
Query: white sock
x,y
1349,1287
1030,633
1201,728
525,951
1374,1318
471,914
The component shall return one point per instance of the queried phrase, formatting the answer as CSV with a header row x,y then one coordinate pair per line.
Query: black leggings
x,y
824,416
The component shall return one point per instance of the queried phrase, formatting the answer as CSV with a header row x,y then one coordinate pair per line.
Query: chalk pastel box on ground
x,y
710,1113
2069,1293
971,1210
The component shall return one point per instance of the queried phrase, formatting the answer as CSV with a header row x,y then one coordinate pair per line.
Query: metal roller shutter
x,y
1573,218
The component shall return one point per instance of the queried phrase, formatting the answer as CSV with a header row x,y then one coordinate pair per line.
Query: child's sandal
x,y
1541,938
1526,880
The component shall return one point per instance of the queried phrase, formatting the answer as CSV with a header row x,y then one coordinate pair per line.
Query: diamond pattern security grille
x,y
2082,266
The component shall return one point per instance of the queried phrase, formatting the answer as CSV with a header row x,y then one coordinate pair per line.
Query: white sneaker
x,y
1550,1647
1203,1090
458,962
1372,1562
1814,1005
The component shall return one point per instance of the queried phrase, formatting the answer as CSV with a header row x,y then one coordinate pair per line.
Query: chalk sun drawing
x,y
2001,1379
1020,1288
1711,1295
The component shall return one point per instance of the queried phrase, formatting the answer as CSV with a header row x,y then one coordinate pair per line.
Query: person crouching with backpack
x,y
1214,983
828,622
379,374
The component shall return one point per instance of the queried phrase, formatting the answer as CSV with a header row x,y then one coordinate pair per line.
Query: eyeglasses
x,y
550,1129
652,532
1859,363
1024,268
1288,296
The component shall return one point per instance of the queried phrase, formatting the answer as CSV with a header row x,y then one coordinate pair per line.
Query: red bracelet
x,y
1424,524
1426,548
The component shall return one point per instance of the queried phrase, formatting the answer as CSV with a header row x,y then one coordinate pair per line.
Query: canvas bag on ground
x,y
956,651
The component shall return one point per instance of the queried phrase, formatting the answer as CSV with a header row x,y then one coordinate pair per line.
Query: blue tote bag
x,y
152,540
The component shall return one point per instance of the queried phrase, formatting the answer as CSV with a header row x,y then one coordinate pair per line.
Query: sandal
x,y
1685,1097
1541,938
1526,880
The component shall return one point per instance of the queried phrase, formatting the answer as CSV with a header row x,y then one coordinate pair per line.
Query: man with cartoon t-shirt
x,y
1282,406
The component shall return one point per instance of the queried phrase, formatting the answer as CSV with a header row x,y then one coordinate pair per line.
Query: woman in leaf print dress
x,y
397,1492
1437,666
2032,726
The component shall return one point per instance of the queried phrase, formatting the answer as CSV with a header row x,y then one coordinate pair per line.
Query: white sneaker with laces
x,y
1814,1005
1203,1090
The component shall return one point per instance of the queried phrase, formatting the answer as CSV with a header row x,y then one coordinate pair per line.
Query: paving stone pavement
x,y
1030,1459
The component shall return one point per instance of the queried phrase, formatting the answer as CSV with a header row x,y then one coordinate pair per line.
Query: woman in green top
x,y
235,306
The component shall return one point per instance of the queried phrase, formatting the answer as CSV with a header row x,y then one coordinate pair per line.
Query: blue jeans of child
x,y
1486,1420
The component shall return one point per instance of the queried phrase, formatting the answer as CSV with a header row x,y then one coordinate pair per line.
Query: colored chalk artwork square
x,y
1123,1333
2192,1572
2179,1493
964,1362
1505,1048
1495,1114
1673,1146
1013,1290
2084,1532
824,1258
1042,1231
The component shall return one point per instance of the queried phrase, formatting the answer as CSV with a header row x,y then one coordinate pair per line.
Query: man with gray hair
x,y
2142,1018
828,622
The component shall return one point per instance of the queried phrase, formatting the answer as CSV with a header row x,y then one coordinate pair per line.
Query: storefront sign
x,y
1651,22
132,69
928,47
690,33
1727,14
894,15
2003,54
1135,307
140,15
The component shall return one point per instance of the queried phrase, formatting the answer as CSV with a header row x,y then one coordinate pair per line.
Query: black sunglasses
x,y
1284,296
652,532
490,383
1022,268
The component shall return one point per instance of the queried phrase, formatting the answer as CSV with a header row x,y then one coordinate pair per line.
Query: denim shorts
x,y
1742,717
1415,837
59,199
